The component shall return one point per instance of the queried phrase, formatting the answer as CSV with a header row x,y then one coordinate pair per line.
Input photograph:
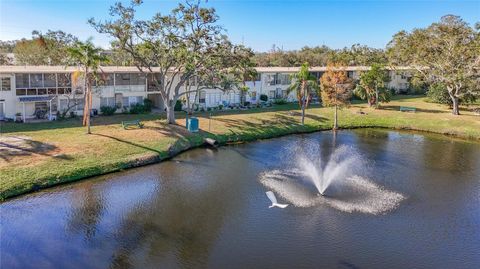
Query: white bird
x,y
272,198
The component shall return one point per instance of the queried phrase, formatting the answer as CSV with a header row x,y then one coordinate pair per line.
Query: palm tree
x,y
304,84
88,57
372,85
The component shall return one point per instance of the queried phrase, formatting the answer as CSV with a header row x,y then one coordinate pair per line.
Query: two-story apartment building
x,y
25,90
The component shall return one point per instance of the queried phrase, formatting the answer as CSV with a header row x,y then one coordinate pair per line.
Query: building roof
x,y
133,69
44,98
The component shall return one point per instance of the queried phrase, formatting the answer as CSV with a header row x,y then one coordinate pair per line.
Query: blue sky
x,y
288,24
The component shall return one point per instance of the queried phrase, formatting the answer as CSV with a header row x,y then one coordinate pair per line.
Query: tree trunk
x,y
89,110
376,97
455,101
455,110
303,113
335,120
304,103
87,105
171,112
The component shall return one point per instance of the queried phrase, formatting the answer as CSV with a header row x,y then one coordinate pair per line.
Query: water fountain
x,y
337,182
321,175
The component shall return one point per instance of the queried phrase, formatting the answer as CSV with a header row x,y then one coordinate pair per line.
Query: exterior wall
x,y
8,98
399,81
129,94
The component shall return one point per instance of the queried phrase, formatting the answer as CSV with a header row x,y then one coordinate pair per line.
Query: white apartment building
x,y
26,89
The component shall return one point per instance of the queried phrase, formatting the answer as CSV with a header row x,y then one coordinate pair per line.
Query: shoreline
x,y
198,141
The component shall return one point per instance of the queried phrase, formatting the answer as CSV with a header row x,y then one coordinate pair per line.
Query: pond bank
x,y
65,154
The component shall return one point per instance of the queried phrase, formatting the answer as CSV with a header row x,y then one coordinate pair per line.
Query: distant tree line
x,y
321,56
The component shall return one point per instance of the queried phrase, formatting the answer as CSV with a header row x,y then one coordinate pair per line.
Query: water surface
x,y
208,209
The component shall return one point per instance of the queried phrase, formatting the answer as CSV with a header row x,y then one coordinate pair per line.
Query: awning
x,y
45,98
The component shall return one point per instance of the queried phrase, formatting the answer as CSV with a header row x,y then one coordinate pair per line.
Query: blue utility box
x,y
192,124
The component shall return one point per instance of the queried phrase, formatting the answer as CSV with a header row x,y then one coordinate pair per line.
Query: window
x,y
107,101
279,93
64,80
41,91
64,104
202,97
36,80
283,79
278,79
270,79
125,102
137,79
104,79
22,81
350,74
152,86
21,91
52,91
132,100
315,74
80,104
258,77
6,84
253,96
31,91
50,80
122,79
271,94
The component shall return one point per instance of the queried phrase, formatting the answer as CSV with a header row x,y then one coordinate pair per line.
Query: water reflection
x,y
207,209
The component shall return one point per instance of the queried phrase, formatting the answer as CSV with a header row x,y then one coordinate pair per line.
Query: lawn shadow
x,y
17,146
11,127
181,135
279,123
127,142
397,108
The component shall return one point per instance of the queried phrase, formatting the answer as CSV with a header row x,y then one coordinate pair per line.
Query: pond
x,y
397,200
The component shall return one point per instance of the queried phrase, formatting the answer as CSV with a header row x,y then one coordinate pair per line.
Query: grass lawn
x,y
39,155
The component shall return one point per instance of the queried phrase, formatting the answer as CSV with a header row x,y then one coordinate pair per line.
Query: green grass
x,y
59,152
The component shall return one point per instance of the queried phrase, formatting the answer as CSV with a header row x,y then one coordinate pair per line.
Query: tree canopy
x,y
44,49
373,85
321,55
180,45
336,88
445,53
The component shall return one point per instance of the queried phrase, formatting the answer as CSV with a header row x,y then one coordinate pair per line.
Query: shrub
x,y
280,102
220,107
107,110
178,106
437,93
148,105
415,90
137,109
263,97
